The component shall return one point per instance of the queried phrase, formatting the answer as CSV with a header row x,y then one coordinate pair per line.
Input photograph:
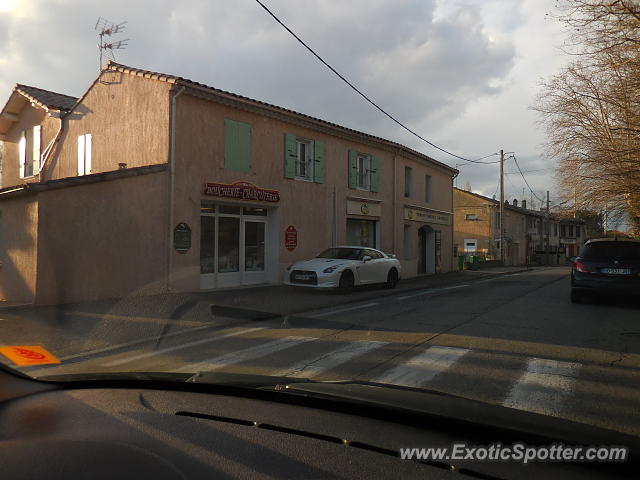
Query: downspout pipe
x,y
172,181
51,147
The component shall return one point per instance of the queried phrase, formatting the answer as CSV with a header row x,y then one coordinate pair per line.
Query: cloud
x,y
460,72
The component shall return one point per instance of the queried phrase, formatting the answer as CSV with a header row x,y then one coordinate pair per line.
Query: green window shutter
x,y
353,169
290,155
375,174
237,145
318,162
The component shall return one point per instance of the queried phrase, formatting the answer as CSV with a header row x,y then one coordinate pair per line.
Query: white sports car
x,y
344,267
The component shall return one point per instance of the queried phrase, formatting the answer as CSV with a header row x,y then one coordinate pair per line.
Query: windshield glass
x,y
342,253
630,251
164,213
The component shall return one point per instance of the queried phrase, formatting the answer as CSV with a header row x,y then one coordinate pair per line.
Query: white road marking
x,y
432,290
327,361
424,367
242,355
130,344
133,358
543,387
340,310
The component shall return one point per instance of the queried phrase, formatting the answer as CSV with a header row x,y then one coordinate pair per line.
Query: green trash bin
x,y
460,262
473,262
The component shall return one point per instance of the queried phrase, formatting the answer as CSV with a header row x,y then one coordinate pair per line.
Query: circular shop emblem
x,y
364,208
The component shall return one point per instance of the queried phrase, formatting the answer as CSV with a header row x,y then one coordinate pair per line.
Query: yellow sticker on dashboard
x,y
28,355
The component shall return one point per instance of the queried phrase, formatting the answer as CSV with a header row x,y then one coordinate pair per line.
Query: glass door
x,y
254,251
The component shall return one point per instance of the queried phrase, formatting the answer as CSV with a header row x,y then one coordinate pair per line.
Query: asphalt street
x,y
513,340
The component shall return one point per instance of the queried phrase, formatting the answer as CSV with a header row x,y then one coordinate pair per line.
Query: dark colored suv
x,y
606,266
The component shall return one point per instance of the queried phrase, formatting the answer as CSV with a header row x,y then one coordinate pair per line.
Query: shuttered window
x,y
303,159
363,171
237,146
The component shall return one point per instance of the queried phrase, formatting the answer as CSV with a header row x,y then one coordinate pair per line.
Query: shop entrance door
x,y
426,250
232,246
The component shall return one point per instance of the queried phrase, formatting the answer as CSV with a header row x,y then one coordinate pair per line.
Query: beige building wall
x,y
103,240
128,119
480,229
317,210
18,243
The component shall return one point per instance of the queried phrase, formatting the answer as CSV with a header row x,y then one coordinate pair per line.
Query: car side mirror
x,y
572,259
366,258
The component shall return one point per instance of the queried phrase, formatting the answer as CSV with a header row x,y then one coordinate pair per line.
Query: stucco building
x,y
152,183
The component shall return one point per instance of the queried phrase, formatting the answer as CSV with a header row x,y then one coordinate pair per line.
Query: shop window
x,y
427,188
361,232
255,211
407,181
207,244
363,171
84,154
237,145
229,209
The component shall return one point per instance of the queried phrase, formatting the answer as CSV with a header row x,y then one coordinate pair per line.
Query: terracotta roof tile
x,y
47,98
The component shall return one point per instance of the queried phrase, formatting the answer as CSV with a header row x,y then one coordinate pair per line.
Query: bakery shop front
x,y
237,222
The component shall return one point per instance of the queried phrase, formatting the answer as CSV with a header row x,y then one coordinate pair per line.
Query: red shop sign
x,y
291,238
242,191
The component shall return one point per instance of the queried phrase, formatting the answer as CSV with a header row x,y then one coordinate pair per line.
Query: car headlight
x,y
330,269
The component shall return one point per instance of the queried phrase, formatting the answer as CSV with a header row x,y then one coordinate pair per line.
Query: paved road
x,y
513,340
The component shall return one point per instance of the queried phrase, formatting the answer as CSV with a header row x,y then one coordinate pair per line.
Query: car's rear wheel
x,y
392,278
346,282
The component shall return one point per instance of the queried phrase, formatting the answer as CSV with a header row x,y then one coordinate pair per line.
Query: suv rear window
x,y
612,250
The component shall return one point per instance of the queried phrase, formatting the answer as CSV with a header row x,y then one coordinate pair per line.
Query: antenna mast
x,y
105,28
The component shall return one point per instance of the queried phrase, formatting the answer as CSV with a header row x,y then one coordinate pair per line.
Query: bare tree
x,y
591,108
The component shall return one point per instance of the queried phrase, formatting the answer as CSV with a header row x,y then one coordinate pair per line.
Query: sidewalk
x,y
257,302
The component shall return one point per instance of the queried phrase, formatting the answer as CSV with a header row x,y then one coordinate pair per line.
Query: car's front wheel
x,y
346,282
392,278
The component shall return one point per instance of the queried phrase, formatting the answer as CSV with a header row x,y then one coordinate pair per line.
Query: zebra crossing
x,y
548,386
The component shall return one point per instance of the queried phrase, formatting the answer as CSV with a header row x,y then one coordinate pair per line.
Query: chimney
x,y
524,204
515,202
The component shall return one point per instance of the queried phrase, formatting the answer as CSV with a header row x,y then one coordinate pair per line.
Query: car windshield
x,y
341,253
618,250
162,205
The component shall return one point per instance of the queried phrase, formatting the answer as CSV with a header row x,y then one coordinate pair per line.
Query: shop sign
x,y
428,216
363,208
291,238
241,191
182,238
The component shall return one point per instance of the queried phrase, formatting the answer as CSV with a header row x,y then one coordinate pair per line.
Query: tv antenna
x,y
105,28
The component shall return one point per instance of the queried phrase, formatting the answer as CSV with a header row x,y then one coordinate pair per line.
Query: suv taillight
x,y
581,267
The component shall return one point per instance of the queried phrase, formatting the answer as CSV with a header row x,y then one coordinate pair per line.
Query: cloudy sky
x,y
462,73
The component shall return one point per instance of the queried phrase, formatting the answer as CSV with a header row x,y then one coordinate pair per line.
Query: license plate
x,y
616,271
302,277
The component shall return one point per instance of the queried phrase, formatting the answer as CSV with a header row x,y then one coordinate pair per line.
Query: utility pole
x,y
501,236
547,229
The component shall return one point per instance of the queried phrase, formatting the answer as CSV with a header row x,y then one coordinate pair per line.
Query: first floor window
x,y
304,160
84,154
364,172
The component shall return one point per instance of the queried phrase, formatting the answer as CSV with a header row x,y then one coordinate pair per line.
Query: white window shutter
x,y
22,159
37,140
81,155
87,154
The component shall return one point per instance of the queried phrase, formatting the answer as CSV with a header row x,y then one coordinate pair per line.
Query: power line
x,y
513,155
353,87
